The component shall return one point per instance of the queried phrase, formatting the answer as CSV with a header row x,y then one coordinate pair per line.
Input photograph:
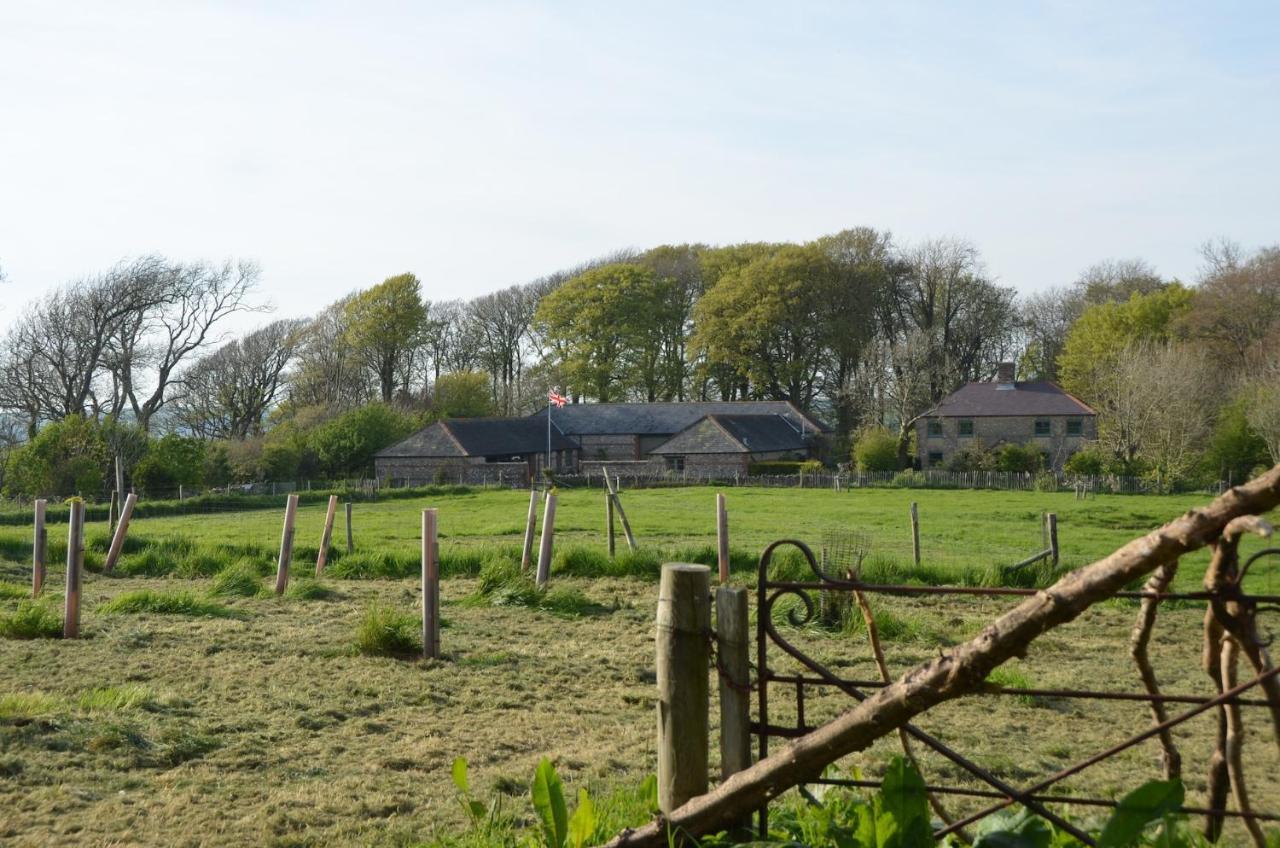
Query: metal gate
x,y
810,596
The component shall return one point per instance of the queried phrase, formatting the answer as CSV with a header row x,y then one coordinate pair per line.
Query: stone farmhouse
x,y
1004,411
720,437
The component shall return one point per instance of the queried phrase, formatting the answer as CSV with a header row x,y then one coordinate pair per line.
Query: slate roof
x,y
977,400
479,437
659,419
736,434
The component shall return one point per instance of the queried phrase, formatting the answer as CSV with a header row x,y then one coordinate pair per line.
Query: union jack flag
x,y
557,398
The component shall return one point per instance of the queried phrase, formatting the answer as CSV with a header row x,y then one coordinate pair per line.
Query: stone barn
x,y
728,444
460,450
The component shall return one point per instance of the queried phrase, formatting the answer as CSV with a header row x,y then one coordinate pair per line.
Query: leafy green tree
x,y
763,322
1235,448
1095,346
217,465
876,449
346,444
67,457
611,327
384,325
464,394
169,462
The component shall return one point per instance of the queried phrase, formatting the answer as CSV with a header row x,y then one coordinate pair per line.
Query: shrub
x,y
12,591
385,631
775,467
909,479
974,457
65,457
875,449
346,444
171,461
31,620
1089,461
1046,482
1020,458
166,603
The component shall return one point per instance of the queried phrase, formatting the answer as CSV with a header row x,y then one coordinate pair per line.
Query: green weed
x,y
24,706
12,591
241,579
388,632
146,601
117,698
31,620
309,590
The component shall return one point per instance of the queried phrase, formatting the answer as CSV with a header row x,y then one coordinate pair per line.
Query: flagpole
x,y
548,432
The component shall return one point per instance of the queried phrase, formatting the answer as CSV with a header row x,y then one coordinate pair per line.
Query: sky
x,y
480,145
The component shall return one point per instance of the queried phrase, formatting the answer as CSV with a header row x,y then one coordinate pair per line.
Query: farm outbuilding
x,y
728,444
631,432
471,449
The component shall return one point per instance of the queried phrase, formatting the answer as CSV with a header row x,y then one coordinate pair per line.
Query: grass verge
x,y
31,620
151,601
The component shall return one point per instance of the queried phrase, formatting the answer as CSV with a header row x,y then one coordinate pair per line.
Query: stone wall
x,y
993,431
424,471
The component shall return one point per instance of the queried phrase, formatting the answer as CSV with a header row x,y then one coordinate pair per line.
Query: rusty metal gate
x,y
810,596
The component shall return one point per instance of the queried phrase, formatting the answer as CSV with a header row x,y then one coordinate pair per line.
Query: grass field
x,y
199,711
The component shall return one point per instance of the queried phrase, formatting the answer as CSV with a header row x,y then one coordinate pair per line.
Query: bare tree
x,y
229,391
329,374
501,322
194,299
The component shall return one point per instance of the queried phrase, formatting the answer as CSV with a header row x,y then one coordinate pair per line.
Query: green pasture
x,y
966,536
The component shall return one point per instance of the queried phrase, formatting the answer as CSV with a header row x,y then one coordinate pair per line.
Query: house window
x,y
935,457
935,428
966,427
675,463
1075,427
1043,427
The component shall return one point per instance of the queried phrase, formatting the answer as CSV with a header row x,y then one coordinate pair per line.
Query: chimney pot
x,y
1005,374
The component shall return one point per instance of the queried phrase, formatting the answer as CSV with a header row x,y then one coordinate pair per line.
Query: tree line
x,y
854,327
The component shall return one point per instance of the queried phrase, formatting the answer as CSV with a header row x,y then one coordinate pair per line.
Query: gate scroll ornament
x,y
1230,630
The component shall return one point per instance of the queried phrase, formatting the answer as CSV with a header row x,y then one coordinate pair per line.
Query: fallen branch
x,y
956,672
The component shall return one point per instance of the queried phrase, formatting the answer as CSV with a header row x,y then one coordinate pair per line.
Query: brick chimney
x,y
1005,375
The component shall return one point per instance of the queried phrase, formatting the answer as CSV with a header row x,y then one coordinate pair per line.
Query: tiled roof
x,y
736,434
976,400
479,437
657,419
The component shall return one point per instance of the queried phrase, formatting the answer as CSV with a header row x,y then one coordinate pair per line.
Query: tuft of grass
x,y
241,579
503,584
24,706
166,603
131,696
31,620
1012,677
309,590
388,632
12,591
365,565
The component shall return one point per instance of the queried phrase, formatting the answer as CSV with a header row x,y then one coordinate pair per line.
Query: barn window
x,y
1043,427
966,427
675,463
1075,427
935,457
935,428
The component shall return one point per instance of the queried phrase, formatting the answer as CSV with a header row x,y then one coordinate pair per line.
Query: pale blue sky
x,y
481,145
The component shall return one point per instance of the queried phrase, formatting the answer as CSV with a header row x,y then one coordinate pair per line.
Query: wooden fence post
x,y
122,527
286,544
548,533
530,525
1044,530
732,643
608,524
1053,538
39,551
75,565
430,587
614,488
119,478
113,511
351,545
915,533
722,538
326,536
683,660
